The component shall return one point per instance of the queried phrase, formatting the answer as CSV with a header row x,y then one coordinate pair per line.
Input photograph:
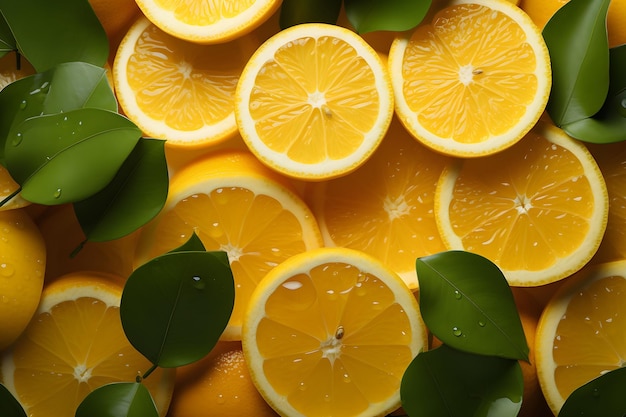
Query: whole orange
x,y
116,16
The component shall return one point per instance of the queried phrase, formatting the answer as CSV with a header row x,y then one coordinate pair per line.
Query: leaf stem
x,y
10,196
149,371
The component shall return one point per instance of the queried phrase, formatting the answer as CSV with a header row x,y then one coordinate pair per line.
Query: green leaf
x,y
294,12
136,194
603,396
193,244
446,382
609,124
48,32
7,41
577,40
9,405
68,157
123,399
393,15
467,303
175,307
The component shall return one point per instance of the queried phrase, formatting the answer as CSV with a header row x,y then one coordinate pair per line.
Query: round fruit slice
x,y
330,333
74,344
237,205
208,21
472,81
581,331
538,209
386,207
314,101
178,90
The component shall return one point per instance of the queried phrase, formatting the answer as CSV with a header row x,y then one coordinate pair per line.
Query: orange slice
x,y
74,344
330,333
473,80
581,332
538,210
235,204
314,101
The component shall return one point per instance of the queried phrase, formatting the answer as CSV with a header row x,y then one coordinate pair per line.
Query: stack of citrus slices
x,y
324,163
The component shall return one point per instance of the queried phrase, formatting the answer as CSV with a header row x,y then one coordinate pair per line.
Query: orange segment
x,y
177,90
314,101
74,344
581,331
538,210
472,81
331,332
235,204
386,207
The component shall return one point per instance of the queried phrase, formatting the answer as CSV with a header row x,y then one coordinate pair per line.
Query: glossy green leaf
x,y
192,244
602,397
49,33
68,157
122,399
467,303
135,195
609,124
175,307
7,41
9,405
394,15
293,12
577,40
446,382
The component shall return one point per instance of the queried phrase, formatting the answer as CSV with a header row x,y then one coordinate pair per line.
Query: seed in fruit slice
x,y
472,81
581,331
237,205
330,332
314,101
74,344
538,210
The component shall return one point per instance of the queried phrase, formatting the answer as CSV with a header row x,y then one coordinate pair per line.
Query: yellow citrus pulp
x,y
581,331
472,81
538,209
218,385
386,207
235,204
314,101
177,90
330,333
74,344
208,21
22,266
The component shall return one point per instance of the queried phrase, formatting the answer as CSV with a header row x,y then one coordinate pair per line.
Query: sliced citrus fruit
x,y
538,209
473,80
74,344
581,331
314,101
330,333
178,90
386,207
208,21
235,204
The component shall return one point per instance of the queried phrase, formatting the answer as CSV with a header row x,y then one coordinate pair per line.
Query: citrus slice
x,y
208,21
235,204
177,90
314,101
472,81
386,207
538,210
74,344
330,333
581,331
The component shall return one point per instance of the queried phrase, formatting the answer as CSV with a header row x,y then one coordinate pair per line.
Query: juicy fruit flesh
x,y
67,368
171,77
589,339
460,87
528,219
323,340
203,13
328,100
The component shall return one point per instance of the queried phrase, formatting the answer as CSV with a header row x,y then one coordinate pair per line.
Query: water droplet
x,y
302,386
595,392
346,378
23,104
456,331
198,282
327,398
57,193
17,139
481,323
221,399
457,295
622,107
6,270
